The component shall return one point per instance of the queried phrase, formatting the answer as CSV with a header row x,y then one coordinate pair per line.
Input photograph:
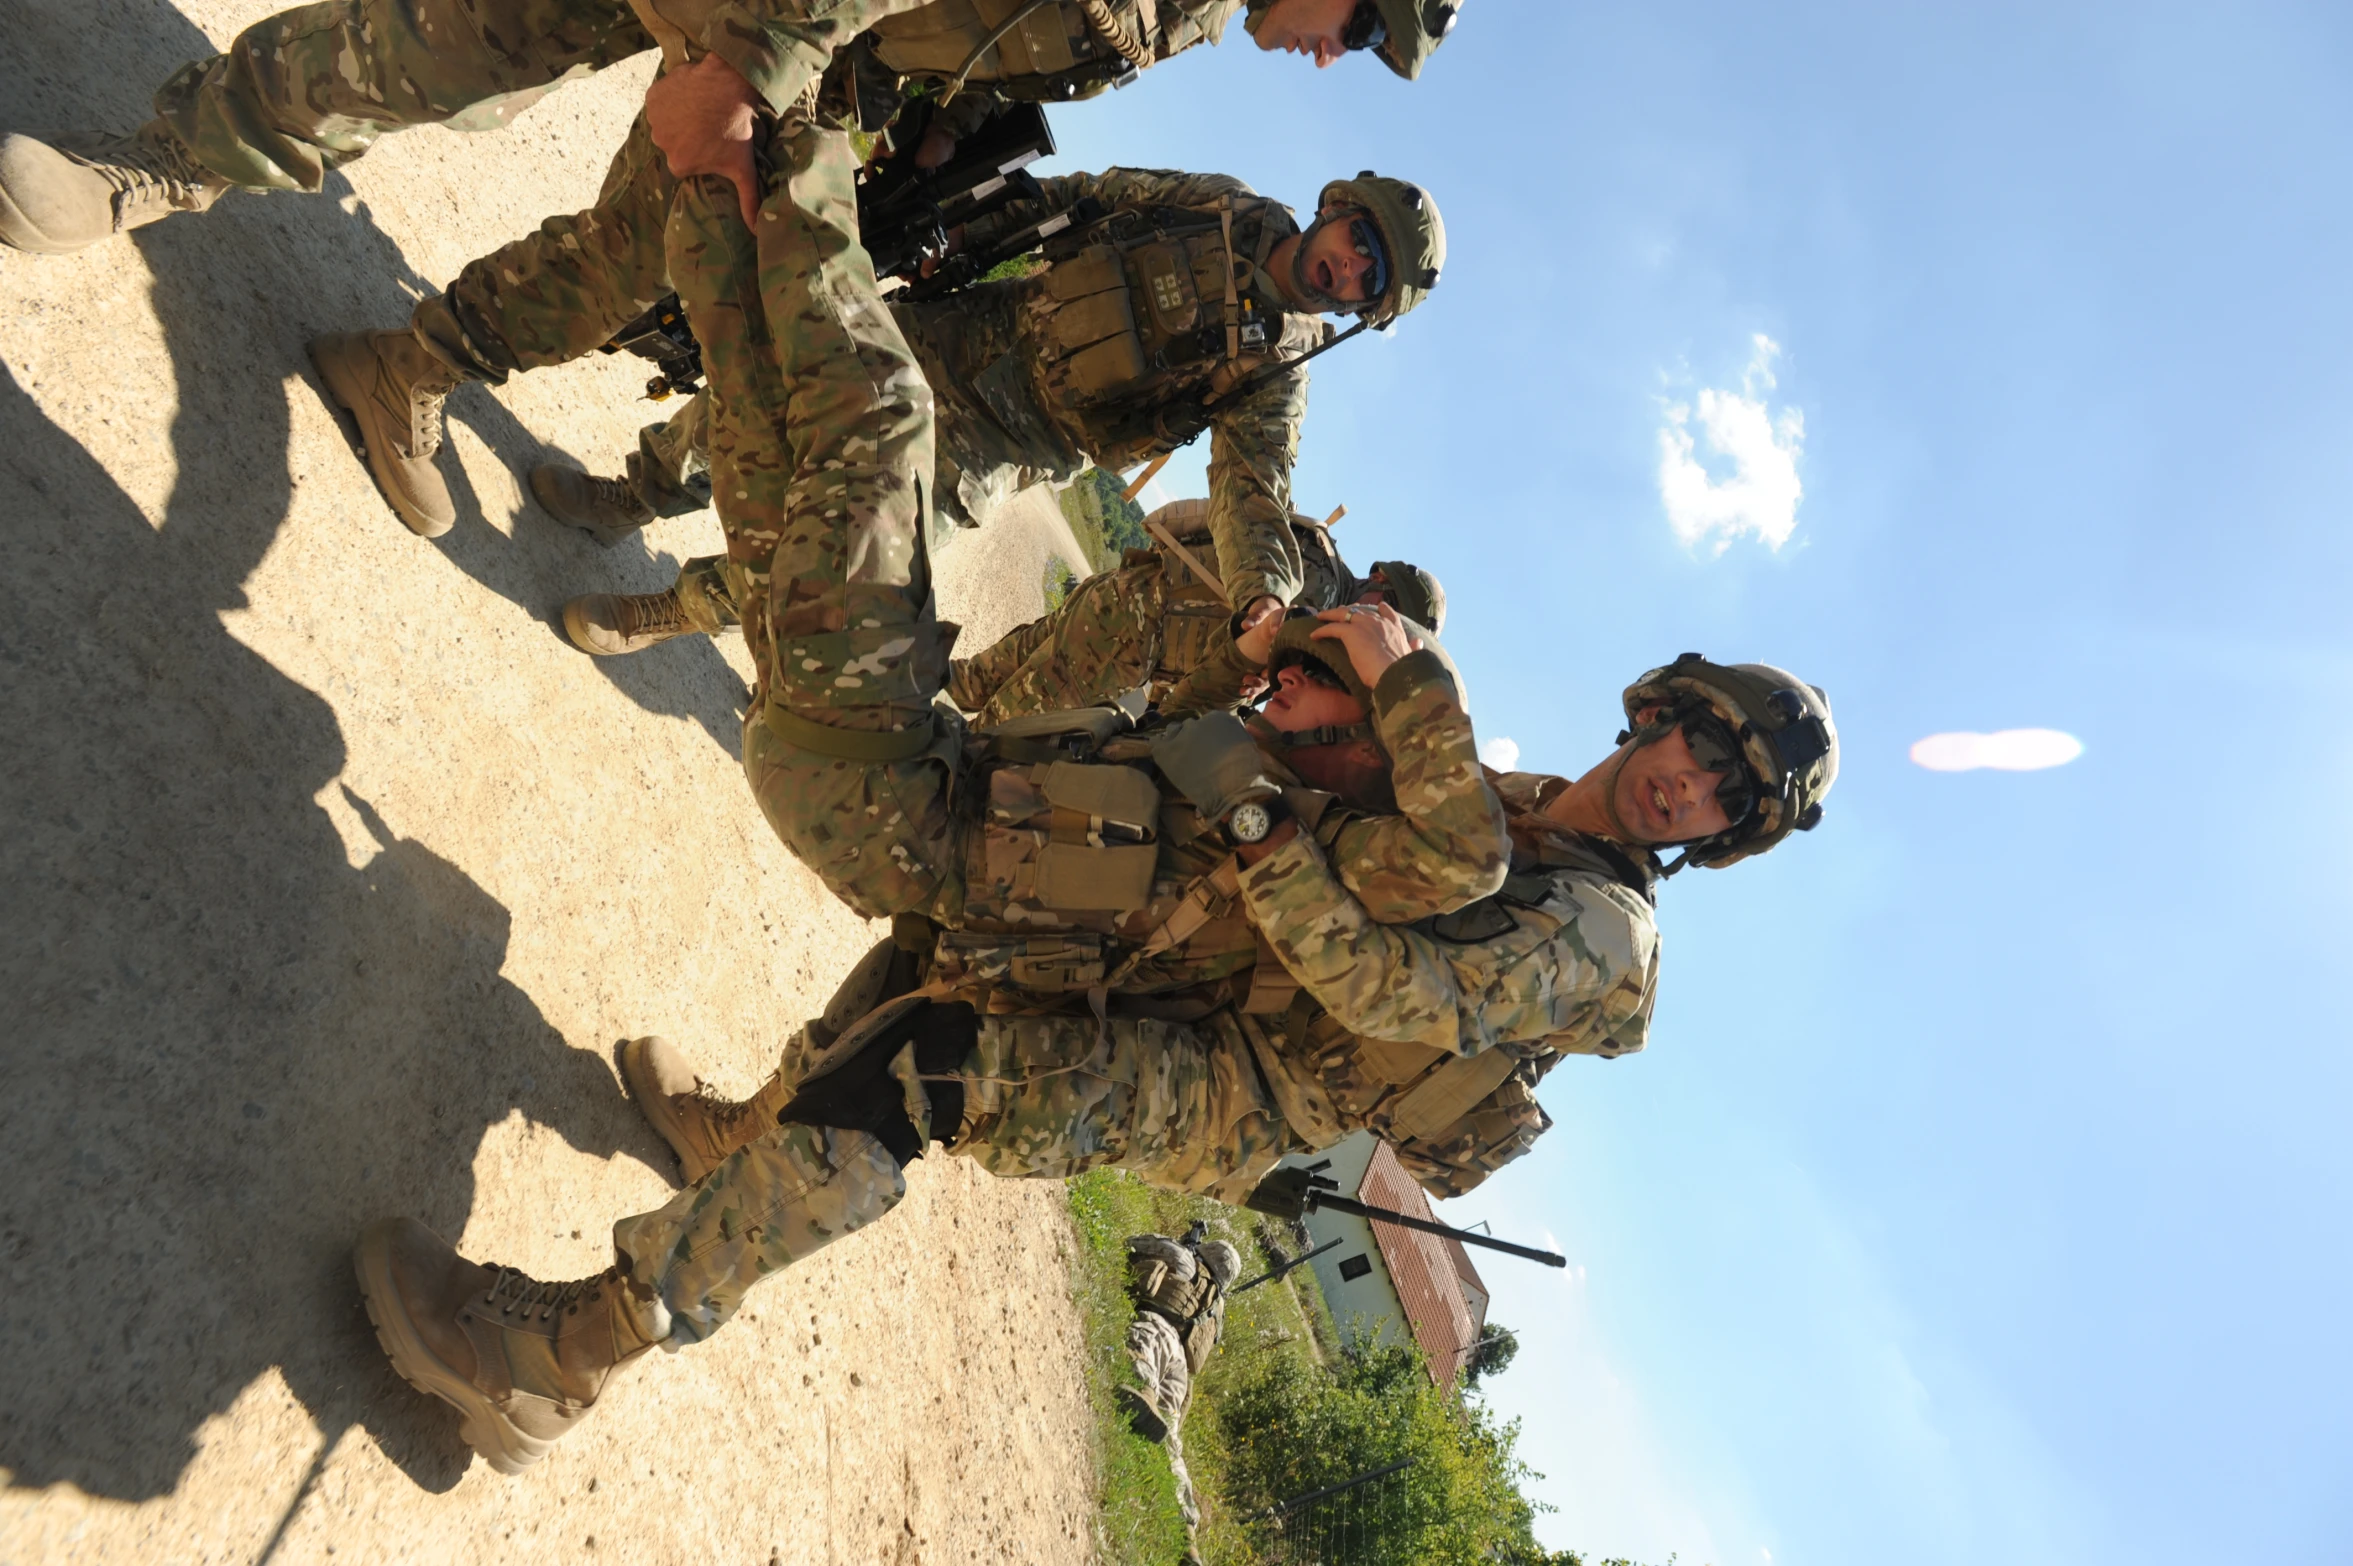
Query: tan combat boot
x,y
521,1361
69,192
607,510
701,1127
608,624
393,387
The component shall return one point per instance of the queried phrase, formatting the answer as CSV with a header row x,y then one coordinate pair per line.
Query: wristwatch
x,y
1251,820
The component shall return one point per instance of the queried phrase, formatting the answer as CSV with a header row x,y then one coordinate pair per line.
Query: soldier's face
x,y
1308,27
1666,796
1333,262
1301,703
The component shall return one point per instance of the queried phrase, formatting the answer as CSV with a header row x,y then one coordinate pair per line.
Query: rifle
x,y
662,335
904,216
1295,1192
905,213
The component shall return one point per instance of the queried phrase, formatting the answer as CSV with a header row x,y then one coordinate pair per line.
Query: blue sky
x,y
1982,1194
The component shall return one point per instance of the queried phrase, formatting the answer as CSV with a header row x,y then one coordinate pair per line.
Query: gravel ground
x,y
331,877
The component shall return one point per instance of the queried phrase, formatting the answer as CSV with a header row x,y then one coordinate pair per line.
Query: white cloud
x,y
2009,750
1760,495
1500,753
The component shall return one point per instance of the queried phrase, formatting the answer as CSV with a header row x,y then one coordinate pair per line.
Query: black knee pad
x,y
860,1094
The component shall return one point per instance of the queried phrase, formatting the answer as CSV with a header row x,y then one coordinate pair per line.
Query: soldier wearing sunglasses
x,y
1188,308
1402,33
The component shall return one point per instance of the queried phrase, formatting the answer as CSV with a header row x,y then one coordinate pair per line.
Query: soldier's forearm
x,y
780,46
1249,518
1214,685
1448,845
1379,980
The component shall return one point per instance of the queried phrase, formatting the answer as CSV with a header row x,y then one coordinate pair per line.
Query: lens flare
x,y
2008,750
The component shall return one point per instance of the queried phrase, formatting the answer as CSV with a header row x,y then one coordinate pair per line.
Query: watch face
x,y
1249,823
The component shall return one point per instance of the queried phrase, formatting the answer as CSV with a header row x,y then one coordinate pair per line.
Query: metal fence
x,y
1353,1523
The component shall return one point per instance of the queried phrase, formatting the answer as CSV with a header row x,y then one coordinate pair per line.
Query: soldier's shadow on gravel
x,y
235,1030
546,563
228,1047
243,290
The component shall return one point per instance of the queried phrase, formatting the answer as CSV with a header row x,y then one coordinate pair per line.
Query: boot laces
x,y
615,493
514,1292
149,168
722,1113
650,612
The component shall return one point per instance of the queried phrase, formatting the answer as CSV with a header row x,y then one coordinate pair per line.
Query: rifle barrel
x,y
1432,1226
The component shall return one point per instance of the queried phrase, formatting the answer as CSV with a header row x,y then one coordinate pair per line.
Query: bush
x,y
1292,1429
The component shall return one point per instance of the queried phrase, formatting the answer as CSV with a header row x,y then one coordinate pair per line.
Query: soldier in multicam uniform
x,y
1160,616
307,90
1184,309
1021,403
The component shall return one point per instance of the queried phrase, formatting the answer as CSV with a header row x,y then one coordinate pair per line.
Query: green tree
x,y
1294,1428
1491,1355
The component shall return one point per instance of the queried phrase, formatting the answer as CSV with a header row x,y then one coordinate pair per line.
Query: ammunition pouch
x,y
1090,348
1058,964
1071,837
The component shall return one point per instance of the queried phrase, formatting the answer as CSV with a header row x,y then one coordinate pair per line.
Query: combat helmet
x,y
1222,1262
1413,244
1785,734
1297,643
1414,592
1411,31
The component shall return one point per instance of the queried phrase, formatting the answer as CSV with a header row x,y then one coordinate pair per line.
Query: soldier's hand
x,y
1258,643
702,119
1374,635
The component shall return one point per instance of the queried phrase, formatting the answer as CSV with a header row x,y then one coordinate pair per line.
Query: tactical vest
x,y
1453,1119
1182,1300
1043,53
1141,319
1082,876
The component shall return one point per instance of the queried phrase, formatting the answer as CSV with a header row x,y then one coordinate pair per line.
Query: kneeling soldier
x,y
1432,1034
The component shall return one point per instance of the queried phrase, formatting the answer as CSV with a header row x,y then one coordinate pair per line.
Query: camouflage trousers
x,y
564,289
1141,625
1180,1105
1157,1354
977,465
297,93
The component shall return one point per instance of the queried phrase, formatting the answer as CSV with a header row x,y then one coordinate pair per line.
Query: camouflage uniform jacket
x,y
1435,1035
1184,928
1149,624
1054,53
1164,293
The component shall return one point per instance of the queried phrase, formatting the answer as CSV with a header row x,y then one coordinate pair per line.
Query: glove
x,y
1213,761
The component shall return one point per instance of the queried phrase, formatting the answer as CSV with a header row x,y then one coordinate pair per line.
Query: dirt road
x,y
332,875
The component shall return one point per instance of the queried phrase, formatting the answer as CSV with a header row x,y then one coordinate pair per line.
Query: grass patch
x,y
1059,580
1106,522
1285,1321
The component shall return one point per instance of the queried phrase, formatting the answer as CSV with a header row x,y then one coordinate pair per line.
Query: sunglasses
x,y
1717,749
1365,29
1367,240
